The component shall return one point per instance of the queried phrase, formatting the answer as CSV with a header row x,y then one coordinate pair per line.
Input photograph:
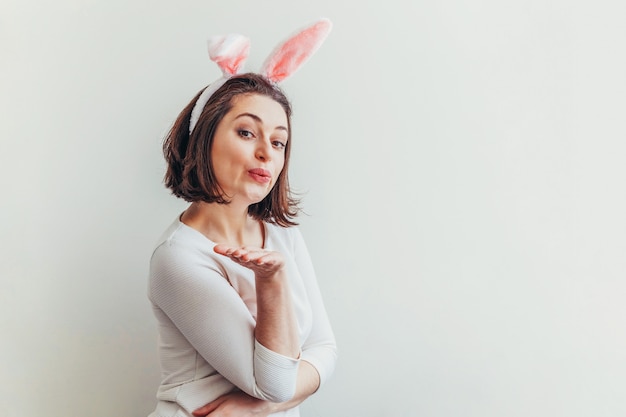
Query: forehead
x,y
265,108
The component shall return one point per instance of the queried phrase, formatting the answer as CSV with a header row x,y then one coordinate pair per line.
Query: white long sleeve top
x,y
205,307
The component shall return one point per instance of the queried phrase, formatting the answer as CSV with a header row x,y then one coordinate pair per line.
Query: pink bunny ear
x,y
229,52
295,51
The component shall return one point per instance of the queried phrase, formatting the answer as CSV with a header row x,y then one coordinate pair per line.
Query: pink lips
x,y
260,175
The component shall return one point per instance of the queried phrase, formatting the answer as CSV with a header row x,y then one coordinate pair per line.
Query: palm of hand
x,y
262,262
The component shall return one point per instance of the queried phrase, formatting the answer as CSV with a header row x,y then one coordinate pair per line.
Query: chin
x,y
255,199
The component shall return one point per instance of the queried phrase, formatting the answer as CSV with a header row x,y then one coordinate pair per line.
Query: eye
x,y
278,144
246,134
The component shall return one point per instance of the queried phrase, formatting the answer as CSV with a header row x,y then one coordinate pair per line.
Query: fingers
x,y
224,249
246,254
235,252
264,263
208,408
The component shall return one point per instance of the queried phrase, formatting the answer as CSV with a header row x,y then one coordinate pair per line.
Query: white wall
x,y
463,164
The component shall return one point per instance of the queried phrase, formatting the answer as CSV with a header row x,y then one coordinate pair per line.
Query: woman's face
x,y
248,150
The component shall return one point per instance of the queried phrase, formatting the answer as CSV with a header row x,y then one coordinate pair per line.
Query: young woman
x,y
242,326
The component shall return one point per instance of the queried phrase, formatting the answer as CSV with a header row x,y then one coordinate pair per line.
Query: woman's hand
x,y
264,263
235,404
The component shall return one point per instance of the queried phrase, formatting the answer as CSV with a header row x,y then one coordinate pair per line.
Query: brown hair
x,y
189,172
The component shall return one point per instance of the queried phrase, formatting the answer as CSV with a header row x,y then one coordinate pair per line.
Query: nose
x,y
263,150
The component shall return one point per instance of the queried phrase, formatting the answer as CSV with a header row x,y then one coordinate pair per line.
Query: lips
x,y
260,175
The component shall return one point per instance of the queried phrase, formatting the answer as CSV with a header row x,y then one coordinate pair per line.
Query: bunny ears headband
x,y
229,52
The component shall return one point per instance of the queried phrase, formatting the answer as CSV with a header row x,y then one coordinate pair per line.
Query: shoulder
x,y
179,240
282,236
183,251
288,240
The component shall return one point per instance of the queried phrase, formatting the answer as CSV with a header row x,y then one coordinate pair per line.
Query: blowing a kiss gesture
x,y
265,264
252,341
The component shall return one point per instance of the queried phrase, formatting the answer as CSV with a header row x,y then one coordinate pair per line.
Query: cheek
x,y
279,167
280,164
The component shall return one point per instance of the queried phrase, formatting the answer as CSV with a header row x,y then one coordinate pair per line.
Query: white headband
x,y
229,52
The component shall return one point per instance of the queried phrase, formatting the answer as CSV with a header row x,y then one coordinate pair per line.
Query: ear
x,y
229,52
295,51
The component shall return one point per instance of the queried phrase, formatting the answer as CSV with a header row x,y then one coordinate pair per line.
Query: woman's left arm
x,y
241,404
320,348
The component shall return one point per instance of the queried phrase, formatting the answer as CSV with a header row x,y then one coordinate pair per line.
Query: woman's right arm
x,y
211,315
276,326
319,354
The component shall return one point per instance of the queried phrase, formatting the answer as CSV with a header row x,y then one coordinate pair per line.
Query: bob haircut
x,y
190,175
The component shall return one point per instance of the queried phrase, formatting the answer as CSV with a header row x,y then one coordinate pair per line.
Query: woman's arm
x,y
211,316
276,326
320,347
319,352
243,405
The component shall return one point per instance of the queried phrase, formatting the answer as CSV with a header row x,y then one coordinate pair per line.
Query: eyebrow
x,y
258,119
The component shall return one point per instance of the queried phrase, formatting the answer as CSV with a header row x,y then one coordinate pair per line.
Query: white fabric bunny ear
x,y
295,51
230,52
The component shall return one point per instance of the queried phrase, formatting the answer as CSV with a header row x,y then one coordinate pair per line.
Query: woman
x,y
242,327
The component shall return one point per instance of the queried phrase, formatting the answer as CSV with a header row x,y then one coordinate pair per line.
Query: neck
x,y
224,223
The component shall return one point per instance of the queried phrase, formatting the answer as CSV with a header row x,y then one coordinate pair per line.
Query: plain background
x,y
462,165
